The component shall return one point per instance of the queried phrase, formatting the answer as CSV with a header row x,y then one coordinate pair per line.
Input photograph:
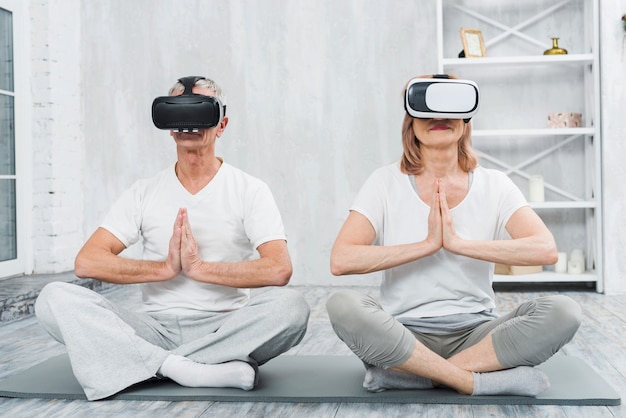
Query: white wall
x,y
613,80
57,135
314,99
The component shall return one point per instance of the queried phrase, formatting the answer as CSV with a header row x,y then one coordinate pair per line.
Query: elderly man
x,y
210,232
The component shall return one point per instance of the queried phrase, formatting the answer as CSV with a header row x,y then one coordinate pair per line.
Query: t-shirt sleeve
x,y
511,200
369,202
262,220
124,218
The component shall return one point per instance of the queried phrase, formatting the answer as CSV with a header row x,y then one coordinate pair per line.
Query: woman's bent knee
x,y
370,332
564,315
347,306
543,329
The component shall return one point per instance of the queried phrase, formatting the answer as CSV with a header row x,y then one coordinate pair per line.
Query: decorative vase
x,y
555,50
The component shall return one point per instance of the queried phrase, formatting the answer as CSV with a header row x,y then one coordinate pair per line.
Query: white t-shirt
x,y
230,218
444,283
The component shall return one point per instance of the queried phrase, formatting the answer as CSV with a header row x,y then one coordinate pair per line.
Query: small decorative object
x,y
579,255
561,264
514,270
624,22
535,184
574,267
555,50
576,263
473,44
565,120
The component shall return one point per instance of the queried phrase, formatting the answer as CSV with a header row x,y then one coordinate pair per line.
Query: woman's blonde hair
x,y
412,163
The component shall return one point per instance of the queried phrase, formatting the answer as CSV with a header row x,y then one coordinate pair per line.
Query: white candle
x,y
561,264
574,267
578,256
535,184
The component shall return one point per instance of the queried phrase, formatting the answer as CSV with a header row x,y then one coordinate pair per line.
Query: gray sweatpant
x,y
111,348
528,335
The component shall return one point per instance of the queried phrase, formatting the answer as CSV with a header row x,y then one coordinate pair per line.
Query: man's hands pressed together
x,y
183,249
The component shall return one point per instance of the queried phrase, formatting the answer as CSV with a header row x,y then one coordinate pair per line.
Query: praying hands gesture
x,y
99,259
353,252
441,233
531,243
273,268
183,249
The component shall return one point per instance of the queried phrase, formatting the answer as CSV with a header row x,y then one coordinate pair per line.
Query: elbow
x,y
81,269
337,268
552,256
282,275
83,265
549,253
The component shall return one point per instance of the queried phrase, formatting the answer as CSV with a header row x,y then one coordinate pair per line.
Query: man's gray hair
x,y
206,83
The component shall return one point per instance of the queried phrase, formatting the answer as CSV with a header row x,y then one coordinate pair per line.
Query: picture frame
x,y
473,44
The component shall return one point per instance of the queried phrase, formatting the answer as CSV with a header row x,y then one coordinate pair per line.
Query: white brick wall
x,y
56,134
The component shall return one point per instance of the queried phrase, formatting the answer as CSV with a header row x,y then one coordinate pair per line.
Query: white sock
x,y
378,379
523,380
186,372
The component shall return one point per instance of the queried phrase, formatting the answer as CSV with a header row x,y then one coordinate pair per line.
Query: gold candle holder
x,y
555,50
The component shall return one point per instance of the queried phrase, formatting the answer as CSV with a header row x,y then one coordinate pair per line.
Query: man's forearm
x,y
115,269
245,274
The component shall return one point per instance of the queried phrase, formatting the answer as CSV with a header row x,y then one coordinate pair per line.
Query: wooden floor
x,y
601,341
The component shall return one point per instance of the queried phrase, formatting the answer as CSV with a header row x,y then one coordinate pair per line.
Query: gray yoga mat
x,y
316,379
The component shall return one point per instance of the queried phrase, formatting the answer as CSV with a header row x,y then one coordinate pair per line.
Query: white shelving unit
x,y
519,87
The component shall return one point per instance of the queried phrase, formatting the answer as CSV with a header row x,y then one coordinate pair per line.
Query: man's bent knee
x,y
295,303
293,306
52,296
52,293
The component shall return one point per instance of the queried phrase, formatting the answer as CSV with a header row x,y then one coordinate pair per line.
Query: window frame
x,y
23,263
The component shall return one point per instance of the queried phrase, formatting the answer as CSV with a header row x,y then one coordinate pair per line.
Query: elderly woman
x,y
435,223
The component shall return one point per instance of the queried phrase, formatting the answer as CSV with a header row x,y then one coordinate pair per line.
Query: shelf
x,y
523,86
529,60
533,132
579,204
545,276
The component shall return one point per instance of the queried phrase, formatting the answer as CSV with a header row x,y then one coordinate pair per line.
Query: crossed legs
x,y
460,373
495,358
111,348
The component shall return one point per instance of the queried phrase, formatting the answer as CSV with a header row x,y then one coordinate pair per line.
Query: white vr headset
x,y
441,97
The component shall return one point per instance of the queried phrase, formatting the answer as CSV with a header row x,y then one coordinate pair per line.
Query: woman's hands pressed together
x,y
441,232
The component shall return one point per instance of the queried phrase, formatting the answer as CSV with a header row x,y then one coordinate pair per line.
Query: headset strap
x,y
189,82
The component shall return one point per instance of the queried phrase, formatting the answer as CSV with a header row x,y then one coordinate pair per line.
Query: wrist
x,y
194,270
454,245
431,246
166,272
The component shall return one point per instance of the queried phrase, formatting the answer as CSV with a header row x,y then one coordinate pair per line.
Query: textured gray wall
x,y
314,98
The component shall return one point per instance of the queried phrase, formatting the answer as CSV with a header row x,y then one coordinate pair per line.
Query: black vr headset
x,y
441,97
188,112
